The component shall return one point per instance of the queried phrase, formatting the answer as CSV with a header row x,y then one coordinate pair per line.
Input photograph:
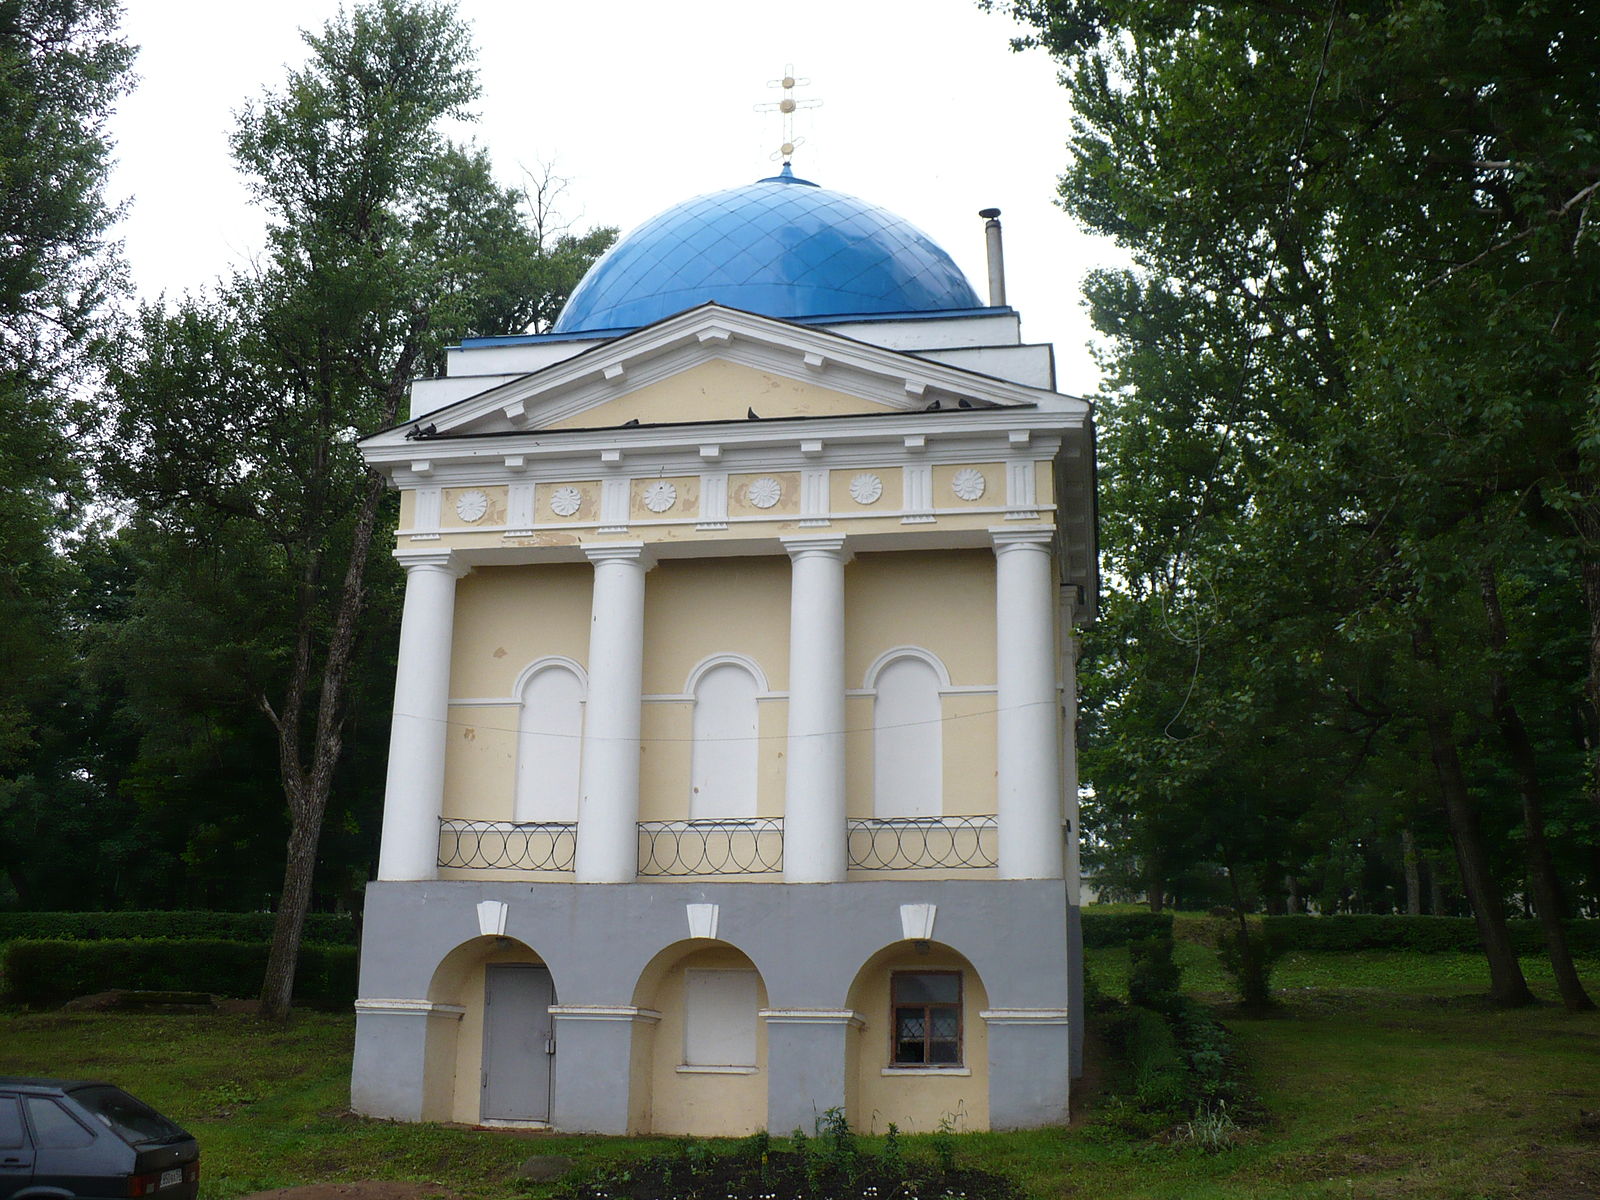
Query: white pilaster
x,y
1029,724
410,843
814,797
608,801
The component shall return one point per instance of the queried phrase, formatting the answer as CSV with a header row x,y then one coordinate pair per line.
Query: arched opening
x,y
491,1063
726,757
549,742
702,1068
907,737
921,1056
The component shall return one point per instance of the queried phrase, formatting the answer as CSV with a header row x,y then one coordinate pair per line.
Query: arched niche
x,y
549,740
907,733
725,760
882,1085
702,1067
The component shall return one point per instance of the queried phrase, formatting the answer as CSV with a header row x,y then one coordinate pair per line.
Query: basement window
x,y
926,1018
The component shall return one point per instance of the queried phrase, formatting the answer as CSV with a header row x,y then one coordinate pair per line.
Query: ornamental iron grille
x,y
724,846
507,845
917,843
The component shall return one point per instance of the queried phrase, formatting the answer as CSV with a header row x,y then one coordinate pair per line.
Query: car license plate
x,y
171,1178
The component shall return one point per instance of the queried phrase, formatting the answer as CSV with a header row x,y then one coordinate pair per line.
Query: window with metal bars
x,y
926,1018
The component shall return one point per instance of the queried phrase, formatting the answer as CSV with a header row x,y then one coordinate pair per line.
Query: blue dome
x,y
783,247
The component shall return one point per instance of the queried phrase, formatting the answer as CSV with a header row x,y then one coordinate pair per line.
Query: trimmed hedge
x,y
1355,931
331,929
44,974
1102,931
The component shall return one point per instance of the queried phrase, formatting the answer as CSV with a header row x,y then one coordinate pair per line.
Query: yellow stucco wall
x,y
941,600
917,1101
710,1105
507,618
717,391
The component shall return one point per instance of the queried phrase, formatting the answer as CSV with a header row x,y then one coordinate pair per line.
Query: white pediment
x,y
715,364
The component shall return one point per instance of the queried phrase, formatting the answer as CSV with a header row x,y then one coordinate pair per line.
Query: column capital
x,y
829,544
1033,537
599,552
432,560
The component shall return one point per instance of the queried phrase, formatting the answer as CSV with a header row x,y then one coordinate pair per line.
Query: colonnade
x,y
815,832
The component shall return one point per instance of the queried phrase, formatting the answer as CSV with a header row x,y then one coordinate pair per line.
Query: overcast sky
x,y
643,103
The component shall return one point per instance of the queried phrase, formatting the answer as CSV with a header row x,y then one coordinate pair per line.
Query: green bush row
x,y
1161,1082
1103,931
334,929
1425,934
43,973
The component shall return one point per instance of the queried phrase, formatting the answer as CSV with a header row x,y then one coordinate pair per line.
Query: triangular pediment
x,y
718,390
713,364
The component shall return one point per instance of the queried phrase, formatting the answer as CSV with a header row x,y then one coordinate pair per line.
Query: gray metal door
x,y
518,1042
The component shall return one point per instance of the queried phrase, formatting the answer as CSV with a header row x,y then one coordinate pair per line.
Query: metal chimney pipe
x,y
997,259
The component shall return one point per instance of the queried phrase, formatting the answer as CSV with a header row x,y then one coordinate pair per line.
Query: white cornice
x,y
735,446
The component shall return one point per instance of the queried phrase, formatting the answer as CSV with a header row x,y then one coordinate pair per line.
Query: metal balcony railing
x,y
507,845
920,843
725,846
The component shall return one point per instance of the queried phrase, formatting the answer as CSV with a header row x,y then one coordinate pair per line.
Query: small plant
x,y
893,1159
942,1141
1211,1130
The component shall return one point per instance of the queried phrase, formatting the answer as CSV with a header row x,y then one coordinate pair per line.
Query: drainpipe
x,y
997,262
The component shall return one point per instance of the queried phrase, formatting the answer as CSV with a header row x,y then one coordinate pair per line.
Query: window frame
x,y
959,1005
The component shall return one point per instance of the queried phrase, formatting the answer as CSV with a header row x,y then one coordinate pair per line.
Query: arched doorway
x,y
498,1066
702,1068
921,1056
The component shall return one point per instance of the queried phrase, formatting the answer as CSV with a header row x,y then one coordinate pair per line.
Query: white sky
x,y
643,103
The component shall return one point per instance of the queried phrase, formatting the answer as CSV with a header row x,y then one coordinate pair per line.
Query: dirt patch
x,y
364,1189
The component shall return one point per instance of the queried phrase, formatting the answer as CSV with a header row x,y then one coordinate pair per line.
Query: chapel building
x,y
732,776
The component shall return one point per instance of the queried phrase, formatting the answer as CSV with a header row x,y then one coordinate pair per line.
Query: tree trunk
x,y
307,790
1524,764
1408,852
1588,514
1507,987
1436,902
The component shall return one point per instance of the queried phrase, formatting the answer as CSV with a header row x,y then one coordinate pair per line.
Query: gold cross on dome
x,y
787,107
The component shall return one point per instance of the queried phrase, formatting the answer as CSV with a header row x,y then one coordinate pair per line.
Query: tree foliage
x,y
237,412
62,66
1350,400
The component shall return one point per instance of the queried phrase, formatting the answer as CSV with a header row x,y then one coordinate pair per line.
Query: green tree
x,y
1367,224
239,412
62,68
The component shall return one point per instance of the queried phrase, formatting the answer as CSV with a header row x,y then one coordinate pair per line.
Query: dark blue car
x,y
63,1139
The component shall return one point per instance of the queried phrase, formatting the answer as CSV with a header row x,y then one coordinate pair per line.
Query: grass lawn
x,y
1385,1075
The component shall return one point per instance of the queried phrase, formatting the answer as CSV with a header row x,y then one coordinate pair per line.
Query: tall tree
x,y
1372,218
239,413
62,67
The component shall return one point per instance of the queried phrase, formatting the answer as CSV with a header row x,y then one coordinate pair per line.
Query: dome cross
x,y
787,107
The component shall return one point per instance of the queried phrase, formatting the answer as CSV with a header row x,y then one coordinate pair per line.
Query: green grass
x,y
1385,1074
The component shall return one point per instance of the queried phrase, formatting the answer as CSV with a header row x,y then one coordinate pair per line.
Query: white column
x,y
814,798
1029,721
415,789
608,800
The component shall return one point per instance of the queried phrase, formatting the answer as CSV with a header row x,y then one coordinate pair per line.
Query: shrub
x,y
1248,956
1103,931
1153,978
335,929
41,973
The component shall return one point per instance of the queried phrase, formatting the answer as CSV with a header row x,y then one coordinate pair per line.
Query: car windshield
x,y
130,1119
